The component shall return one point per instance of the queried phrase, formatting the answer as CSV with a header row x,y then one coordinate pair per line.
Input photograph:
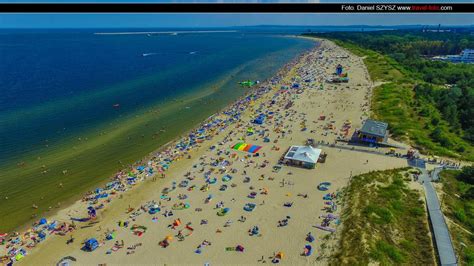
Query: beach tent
x,y
338,70
19,256
41,235
246,147
43,221
250,131
258,120
91,244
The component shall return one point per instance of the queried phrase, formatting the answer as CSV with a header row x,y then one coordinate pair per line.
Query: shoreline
x,y
73,201
95,143
339,102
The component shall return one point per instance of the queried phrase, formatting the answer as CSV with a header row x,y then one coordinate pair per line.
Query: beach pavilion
x,y
303,156
373,132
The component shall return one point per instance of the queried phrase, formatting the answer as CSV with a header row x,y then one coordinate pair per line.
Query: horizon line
x,y
162,32
244,26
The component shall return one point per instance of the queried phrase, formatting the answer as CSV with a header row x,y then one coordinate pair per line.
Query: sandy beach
x,y
287,202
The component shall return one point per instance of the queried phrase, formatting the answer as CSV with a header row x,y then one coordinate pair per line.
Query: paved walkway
x,y
354,148
440,229
441,234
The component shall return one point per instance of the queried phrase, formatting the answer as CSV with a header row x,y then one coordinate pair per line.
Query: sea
x,y
76,106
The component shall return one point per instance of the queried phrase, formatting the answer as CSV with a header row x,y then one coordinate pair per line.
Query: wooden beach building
x,y
373,132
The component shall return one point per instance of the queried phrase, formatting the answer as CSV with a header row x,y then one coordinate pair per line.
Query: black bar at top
x,y
234,8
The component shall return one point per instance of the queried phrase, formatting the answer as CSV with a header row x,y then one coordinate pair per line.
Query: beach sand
x,y
338,102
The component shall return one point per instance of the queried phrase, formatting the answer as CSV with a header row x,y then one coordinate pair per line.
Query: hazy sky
x,y
223,20
220,20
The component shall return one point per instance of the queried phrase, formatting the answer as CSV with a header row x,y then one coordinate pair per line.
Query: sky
x,y
220,20
223,20
235,1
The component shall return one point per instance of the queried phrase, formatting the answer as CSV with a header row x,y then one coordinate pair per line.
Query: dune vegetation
x,y
429,104
384,222
458,205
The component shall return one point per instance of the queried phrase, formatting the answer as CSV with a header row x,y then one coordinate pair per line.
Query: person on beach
x,y
70,241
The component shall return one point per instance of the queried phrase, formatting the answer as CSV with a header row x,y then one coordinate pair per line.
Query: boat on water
x,y
248,83
117,105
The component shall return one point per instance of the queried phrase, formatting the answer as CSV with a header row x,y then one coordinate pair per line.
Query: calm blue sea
x,y
54,84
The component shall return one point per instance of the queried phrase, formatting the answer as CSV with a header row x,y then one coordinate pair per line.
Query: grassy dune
x,y
409,119
384,222
460,210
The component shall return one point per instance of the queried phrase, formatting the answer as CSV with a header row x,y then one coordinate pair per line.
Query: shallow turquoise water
x,y
56,109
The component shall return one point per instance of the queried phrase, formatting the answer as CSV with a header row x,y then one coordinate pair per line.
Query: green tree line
x,y
449,87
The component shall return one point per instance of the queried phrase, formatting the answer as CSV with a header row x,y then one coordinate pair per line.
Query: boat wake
x,y
150,54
